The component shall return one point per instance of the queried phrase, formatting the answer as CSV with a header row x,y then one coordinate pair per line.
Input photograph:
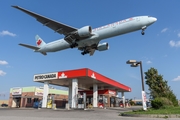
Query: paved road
x,y
48,114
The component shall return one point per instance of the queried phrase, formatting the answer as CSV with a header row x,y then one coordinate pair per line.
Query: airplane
x,y
85,39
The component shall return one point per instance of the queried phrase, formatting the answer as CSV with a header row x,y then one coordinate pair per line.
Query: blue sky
x,y
158,48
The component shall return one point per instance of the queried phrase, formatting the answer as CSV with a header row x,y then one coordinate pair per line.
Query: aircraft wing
x,y
56,26
30,46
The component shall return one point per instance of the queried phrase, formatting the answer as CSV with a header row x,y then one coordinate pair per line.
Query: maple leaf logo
x,y
39,42
93,76
63,75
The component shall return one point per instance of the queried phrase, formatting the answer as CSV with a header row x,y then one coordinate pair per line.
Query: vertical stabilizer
x,y
39,41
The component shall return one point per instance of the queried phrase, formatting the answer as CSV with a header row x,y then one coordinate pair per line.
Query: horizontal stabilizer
x,y
30,46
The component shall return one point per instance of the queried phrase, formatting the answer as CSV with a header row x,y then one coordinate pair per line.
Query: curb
x,y
152,115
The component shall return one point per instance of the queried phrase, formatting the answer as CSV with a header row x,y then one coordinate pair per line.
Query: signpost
x,y
135,63
144,100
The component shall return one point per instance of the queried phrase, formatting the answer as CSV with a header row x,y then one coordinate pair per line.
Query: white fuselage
x,y
104,32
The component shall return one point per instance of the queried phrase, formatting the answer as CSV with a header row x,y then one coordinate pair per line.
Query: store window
x,y
36,99
29,100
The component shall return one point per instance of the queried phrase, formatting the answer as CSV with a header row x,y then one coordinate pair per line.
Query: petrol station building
x,y
31,95
85,86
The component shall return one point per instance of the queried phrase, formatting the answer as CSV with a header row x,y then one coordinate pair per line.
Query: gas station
x,y
85,87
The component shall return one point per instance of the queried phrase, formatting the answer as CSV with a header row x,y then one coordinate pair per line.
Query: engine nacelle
x,y
85,31
103,46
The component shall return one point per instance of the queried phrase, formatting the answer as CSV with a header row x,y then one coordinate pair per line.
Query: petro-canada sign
x,y
48,76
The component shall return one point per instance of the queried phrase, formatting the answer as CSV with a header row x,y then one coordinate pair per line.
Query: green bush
x,y
172,98
161,102
156,103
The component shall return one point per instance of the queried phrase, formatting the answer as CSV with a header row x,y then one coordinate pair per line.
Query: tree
x,y
158,87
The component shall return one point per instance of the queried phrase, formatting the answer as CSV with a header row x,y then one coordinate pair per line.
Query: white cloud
x,y
2,73
176,79
2,62
178,34
164,30
5,32
148,62
174,43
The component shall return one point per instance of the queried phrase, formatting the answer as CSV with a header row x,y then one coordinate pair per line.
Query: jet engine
x,y
103,46
85,31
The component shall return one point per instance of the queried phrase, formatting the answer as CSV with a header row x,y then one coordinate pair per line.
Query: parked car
x,y
4,105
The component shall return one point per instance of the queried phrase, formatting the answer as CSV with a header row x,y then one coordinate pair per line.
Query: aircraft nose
x,y
152,19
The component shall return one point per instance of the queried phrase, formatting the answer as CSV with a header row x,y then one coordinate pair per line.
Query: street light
x,y
135,63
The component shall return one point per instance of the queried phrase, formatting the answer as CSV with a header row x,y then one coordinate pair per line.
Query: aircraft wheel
x,y
75,45
82,53
142,33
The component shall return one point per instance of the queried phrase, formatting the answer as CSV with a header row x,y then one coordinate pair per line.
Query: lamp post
x,y
135,63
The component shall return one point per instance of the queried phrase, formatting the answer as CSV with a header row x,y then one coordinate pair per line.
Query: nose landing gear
x,y
142,32
143,28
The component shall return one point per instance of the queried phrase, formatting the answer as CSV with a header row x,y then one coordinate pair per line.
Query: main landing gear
x,y
73,45
84,52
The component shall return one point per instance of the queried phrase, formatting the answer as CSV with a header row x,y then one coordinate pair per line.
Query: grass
x,y
165,111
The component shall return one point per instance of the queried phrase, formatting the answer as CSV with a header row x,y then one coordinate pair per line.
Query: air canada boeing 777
x,y
85,39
